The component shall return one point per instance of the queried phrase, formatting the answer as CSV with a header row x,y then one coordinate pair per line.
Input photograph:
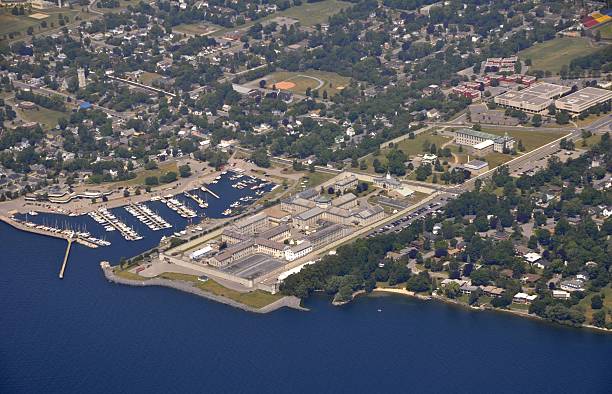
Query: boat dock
x,y
147,217
61,274
104,216
52,232
201,203
204,188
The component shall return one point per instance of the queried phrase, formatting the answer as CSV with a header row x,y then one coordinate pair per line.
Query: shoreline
x,y
286,301
407,293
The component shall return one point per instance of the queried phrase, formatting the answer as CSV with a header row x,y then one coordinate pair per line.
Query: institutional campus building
x,y
482,142
582,100
535,99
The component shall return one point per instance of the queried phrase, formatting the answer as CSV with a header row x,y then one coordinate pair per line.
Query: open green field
x,y
47,118
142,175
309,14
196,29
553,54
411,147
316,178
10,23
255,299
298,82
531,139
607,302
606,31
147,78
123,5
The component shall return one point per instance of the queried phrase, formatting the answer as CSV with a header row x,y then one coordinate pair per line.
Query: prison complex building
x,y
481,140
535,99
328,234
582,100
253,224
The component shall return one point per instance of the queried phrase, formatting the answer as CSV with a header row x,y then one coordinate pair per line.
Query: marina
x,y
146,216
104,217
179,207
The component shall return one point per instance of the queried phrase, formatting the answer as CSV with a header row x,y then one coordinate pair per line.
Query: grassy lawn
x,y
196,29
519,307
128,275
46,117
553,54
123,5
586,304
411,147
142,175
531,139
10,23
255,299
147,78
309,14
592,140
606,31
313,79
316,178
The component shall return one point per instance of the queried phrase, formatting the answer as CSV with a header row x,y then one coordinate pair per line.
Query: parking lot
x,y
434,207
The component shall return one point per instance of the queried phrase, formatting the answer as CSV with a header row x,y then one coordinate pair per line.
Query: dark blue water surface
x,y
86,335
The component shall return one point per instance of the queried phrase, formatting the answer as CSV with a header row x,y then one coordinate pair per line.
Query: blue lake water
x,y
86,335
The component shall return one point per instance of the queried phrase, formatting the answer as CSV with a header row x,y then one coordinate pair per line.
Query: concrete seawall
x,y
288,301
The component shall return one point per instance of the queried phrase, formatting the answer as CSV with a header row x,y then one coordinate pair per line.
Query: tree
x,y
596,302
151,181
262,83
599,318
452,290
562,117
536,120
260,158
185,171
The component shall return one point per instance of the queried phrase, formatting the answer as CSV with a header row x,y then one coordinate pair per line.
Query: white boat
x,y
33,213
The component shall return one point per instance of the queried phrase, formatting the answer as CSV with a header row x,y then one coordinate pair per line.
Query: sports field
x,y
298,82
552,55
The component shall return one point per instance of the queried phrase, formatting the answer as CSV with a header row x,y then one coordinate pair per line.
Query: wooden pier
x,y
61,274
206,189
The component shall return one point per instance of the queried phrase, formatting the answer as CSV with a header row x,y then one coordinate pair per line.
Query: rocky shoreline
x,y
287,301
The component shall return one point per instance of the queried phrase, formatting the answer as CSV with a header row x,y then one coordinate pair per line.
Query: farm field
x,y
554,54
298,82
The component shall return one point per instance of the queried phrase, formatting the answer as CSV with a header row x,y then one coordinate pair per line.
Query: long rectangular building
x,y
473,137
582,100
535,99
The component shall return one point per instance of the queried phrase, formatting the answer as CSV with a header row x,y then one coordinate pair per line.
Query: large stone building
x,y
472,138
347,183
